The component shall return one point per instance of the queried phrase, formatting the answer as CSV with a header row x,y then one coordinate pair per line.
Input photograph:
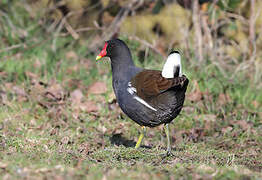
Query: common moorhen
x,y
148,97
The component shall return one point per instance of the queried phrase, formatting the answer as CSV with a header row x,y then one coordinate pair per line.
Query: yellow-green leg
x,y
168,140
141,137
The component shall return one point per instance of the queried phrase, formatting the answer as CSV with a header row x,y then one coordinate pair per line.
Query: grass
x,y
217,135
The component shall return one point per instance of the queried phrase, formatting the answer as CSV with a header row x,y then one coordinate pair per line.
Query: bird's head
x,y
103,53
114,48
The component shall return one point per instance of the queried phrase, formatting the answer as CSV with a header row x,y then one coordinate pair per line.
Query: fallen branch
x,y
144,42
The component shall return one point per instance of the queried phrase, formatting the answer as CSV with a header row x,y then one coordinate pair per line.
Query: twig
x,y
57,33
252,20
83,30
64,22
11,25
213,4
71,30
12,47
237,16
198,32
26,47
207,32
114,26
147,44
241,67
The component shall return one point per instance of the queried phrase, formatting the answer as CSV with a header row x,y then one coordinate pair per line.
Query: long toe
x,y
169,153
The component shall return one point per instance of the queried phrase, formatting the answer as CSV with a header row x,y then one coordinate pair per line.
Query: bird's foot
x,y
138,143
169,153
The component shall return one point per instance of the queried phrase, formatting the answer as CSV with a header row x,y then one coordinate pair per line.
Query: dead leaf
x,y
65,140
189,109
196,95
207,96
8,86
71,55
77,96
31,75
3,165
101,129
223,99
55,92
3,74
88,106
3,97
226,129
101,99
72,69
209,117
84,148
74,83
87,63
204,167
255,104
19,91
197,134
43,170
37,64
98,88
243,124
178,136
209,120
36,90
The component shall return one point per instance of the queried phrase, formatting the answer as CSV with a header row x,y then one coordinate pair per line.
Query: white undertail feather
x,y
172,63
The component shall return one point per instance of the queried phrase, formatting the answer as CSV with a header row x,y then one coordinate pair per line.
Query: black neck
x,y
120,66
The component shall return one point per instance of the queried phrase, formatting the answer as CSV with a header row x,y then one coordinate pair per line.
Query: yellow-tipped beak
x,y
98,57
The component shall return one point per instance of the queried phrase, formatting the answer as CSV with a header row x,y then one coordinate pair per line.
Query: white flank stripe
x,y
132,91
144,102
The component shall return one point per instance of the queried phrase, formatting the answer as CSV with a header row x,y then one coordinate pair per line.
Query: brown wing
x,y
150,83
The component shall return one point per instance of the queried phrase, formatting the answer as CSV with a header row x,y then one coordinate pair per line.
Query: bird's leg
x,y
141,137
168,140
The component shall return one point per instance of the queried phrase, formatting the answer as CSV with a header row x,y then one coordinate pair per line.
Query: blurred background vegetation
x,y
226,32
58,114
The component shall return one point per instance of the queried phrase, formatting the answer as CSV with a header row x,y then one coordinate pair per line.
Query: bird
x,y
148,97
